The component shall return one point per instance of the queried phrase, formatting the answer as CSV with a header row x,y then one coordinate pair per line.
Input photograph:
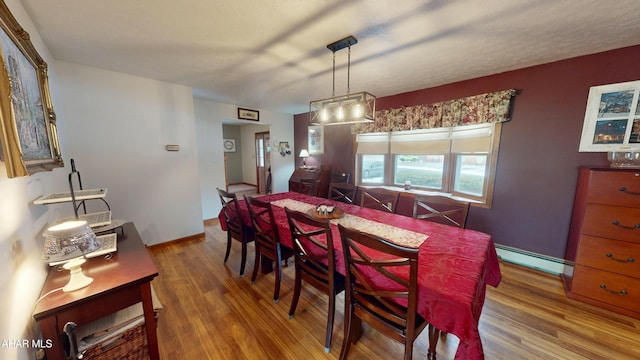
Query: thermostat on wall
x,y
172,147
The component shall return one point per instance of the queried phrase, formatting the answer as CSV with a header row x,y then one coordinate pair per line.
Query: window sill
x,y
474,202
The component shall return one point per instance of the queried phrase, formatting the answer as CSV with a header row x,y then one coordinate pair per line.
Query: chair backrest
x,y
340,177
382,279
309,186
441,209
264,224
313,246
379,199
230,208
343,192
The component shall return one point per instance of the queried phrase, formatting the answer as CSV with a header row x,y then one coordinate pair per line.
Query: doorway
x,y
263,162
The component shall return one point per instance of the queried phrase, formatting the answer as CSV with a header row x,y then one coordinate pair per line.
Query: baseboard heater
x,y
532,260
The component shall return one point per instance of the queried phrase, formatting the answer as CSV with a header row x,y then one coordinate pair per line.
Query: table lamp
x,y
304,154
70,240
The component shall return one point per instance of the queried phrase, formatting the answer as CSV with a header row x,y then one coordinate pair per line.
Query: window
x,y
421,170
470,174
372,169
460,161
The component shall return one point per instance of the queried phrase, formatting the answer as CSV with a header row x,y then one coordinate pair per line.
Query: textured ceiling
x,y
272,54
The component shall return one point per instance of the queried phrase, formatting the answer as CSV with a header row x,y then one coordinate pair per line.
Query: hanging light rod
x,y
345,109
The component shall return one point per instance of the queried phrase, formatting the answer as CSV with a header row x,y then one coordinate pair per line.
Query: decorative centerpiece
x,y
624,159
326,212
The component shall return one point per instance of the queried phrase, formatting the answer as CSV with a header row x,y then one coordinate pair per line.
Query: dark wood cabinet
x,y
604,240
323,174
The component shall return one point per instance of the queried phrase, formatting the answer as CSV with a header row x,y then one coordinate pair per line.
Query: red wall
x,y
538,160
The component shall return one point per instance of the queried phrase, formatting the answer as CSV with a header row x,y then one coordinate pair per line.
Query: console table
x,y
119,282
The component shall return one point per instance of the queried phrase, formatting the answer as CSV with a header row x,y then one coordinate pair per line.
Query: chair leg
x,y
330,316
434,335
244,258
408,348
346,342
226,255
256,264
276,289
296,293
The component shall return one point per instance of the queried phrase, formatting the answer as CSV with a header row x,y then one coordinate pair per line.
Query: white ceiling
x,y
272,55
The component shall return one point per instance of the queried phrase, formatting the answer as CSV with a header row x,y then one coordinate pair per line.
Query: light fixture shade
x,y
346,109
68,240
304,153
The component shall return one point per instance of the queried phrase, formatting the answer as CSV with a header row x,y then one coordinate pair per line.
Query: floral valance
x,y
478,109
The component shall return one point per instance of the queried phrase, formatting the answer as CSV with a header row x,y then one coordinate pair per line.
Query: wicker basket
x,y
130,345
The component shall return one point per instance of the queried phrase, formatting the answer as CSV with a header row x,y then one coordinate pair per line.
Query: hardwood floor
x,y
212,313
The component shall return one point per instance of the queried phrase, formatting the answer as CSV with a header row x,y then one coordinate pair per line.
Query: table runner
x,y
394,234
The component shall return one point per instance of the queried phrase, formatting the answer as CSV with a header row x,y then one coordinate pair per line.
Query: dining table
x,y
454,265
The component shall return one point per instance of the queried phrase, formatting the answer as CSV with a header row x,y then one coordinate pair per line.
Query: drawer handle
x,y
624,190
617,223
629,260
621,292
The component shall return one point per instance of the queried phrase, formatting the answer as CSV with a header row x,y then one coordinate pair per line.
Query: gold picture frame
x,y
27,121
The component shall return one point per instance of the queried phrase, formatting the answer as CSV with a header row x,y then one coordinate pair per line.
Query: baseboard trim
x,y
532,260
195,237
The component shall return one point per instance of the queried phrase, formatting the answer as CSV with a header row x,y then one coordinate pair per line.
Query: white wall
x,y
116,127
21,223
209,116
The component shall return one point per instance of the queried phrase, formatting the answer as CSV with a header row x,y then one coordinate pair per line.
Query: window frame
x,y
449,170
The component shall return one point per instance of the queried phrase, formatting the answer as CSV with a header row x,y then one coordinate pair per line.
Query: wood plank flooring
x,y
212,313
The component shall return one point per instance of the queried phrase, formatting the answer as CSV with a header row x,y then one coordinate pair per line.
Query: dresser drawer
x,y
615,188
611,255
618,290
620,223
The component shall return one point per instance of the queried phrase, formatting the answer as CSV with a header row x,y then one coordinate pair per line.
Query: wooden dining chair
x,y
343,192
314,262
379,199
235,226
267,240
309,187
376,293
441,209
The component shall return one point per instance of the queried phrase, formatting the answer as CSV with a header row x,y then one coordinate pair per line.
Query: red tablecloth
x,y
455,265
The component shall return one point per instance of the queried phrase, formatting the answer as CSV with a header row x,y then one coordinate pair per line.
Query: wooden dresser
x,y
604,240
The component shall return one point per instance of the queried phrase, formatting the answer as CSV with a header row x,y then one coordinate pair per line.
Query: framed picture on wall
x,y
315,143
248,114
28,130
612,118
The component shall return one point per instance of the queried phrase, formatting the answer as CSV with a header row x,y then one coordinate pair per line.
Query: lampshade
x,y
70,240
346,109
304,153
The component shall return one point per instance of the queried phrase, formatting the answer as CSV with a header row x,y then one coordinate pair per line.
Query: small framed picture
x,y
247,114
612,118
316,140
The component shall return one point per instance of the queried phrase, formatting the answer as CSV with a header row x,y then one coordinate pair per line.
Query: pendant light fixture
x,y
346,109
